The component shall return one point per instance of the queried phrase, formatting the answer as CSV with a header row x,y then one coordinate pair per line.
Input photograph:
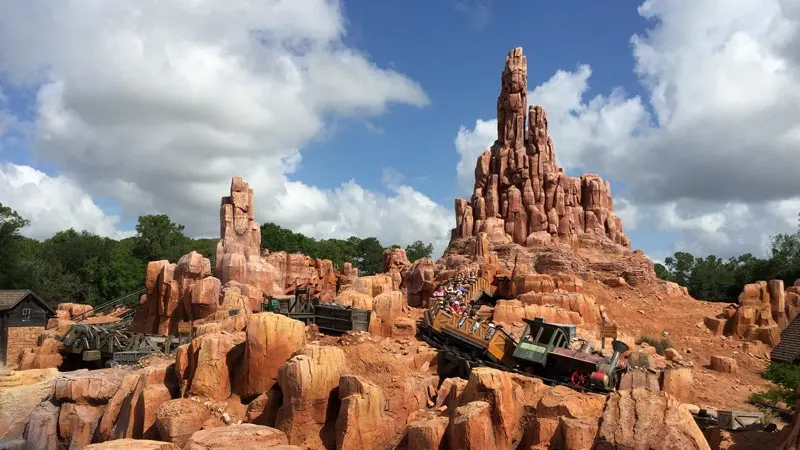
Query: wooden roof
x,y
788,349
11,298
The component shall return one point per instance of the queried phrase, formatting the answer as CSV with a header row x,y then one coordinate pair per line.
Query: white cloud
x,y
716,160
470,143
52,204
157,105
478,11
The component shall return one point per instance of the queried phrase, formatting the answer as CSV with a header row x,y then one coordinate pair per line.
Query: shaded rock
x,y
428,433
641,418
309,383
178,419
77,423
496,388
362,421
263,410
471,428
42,430
212,358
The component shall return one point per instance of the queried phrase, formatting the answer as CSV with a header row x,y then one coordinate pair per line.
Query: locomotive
x,y
543,350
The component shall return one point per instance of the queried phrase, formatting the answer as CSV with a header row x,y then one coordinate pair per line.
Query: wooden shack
x,y
23,317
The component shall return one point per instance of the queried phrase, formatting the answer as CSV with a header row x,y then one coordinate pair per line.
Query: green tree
x,y
369,253
158,237
663,273
11,247
418,250
680,266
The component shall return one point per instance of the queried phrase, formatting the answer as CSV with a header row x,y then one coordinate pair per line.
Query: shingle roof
x,y
788,349
10,298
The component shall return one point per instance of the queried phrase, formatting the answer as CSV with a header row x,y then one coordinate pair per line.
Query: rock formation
x,y
189,291
520,193
763,311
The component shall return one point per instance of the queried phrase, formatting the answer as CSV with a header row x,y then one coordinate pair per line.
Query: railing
x,y
480,284
110,305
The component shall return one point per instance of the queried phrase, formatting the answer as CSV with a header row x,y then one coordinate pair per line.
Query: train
x,y
543,351
329,317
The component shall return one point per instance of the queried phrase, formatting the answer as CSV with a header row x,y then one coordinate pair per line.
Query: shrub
x,y
785,377
660,344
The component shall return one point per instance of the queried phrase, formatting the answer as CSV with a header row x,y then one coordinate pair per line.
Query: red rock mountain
x,y
520,193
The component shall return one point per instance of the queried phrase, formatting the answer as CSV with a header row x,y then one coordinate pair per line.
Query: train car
x,y
543,350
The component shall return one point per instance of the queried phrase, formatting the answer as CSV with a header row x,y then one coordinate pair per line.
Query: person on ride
x,y
475,326
463,319
492,331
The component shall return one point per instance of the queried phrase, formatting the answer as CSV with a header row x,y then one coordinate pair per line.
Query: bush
x,y
785,376
660,344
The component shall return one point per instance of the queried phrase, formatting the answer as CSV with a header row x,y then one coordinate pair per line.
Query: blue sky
x,y
457,59
108,113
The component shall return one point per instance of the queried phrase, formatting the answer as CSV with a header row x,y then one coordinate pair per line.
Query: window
x,y
26,314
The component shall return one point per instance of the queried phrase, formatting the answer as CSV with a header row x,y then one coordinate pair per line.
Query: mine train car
x,y
543,350
329,317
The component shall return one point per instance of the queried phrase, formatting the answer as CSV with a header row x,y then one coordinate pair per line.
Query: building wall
x,y
20,338
36,315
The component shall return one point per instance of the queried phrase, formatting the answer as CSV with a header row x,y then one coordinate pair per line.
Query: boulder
x,y
246,436
362,421
271,340
471,428
179,419
42,430
641,418
129,444
77,423
679,382
428,433
213,356
496,388
724,364
309,383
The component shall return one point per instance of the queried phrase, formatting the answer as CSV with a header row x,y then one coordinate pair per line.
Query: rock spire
x,y
520,193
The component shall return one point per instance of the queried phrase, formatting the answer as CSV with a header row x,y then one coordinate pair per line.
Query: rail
x,y
111,305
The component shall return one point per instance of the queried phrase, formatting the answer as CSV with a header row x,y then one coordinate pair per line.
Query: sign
x,y
184,327
608,331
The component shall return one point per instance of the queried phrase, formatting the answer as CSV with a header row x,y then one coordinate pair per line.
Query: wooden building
x,y
788,349
23,317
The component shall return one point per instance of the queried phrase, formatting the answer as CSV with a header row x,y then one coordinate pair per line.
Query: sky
x,y
359,117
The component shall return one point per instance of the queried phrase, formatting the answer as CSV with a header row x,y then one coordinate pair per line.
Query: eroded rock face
x,y
641,418
309,382
395,260
138,444
42,430
211,357
520,192
764,310
179,419
271,340
419,282
245,436
362,422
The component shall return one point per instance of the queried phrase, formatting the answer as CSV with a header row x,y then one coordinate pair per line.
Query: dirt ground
x,y
647,311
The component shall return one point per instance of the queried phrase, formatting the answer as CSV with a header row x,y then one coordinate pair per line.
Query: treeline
x,y
714,279
78,266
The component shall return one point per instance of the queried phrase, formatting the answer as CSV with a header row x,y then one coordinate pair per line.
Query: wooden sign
x,y
608,331
184,327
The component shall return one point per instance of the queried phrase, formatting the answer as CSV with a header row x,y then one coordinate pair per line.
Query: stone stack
x,y
520,193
